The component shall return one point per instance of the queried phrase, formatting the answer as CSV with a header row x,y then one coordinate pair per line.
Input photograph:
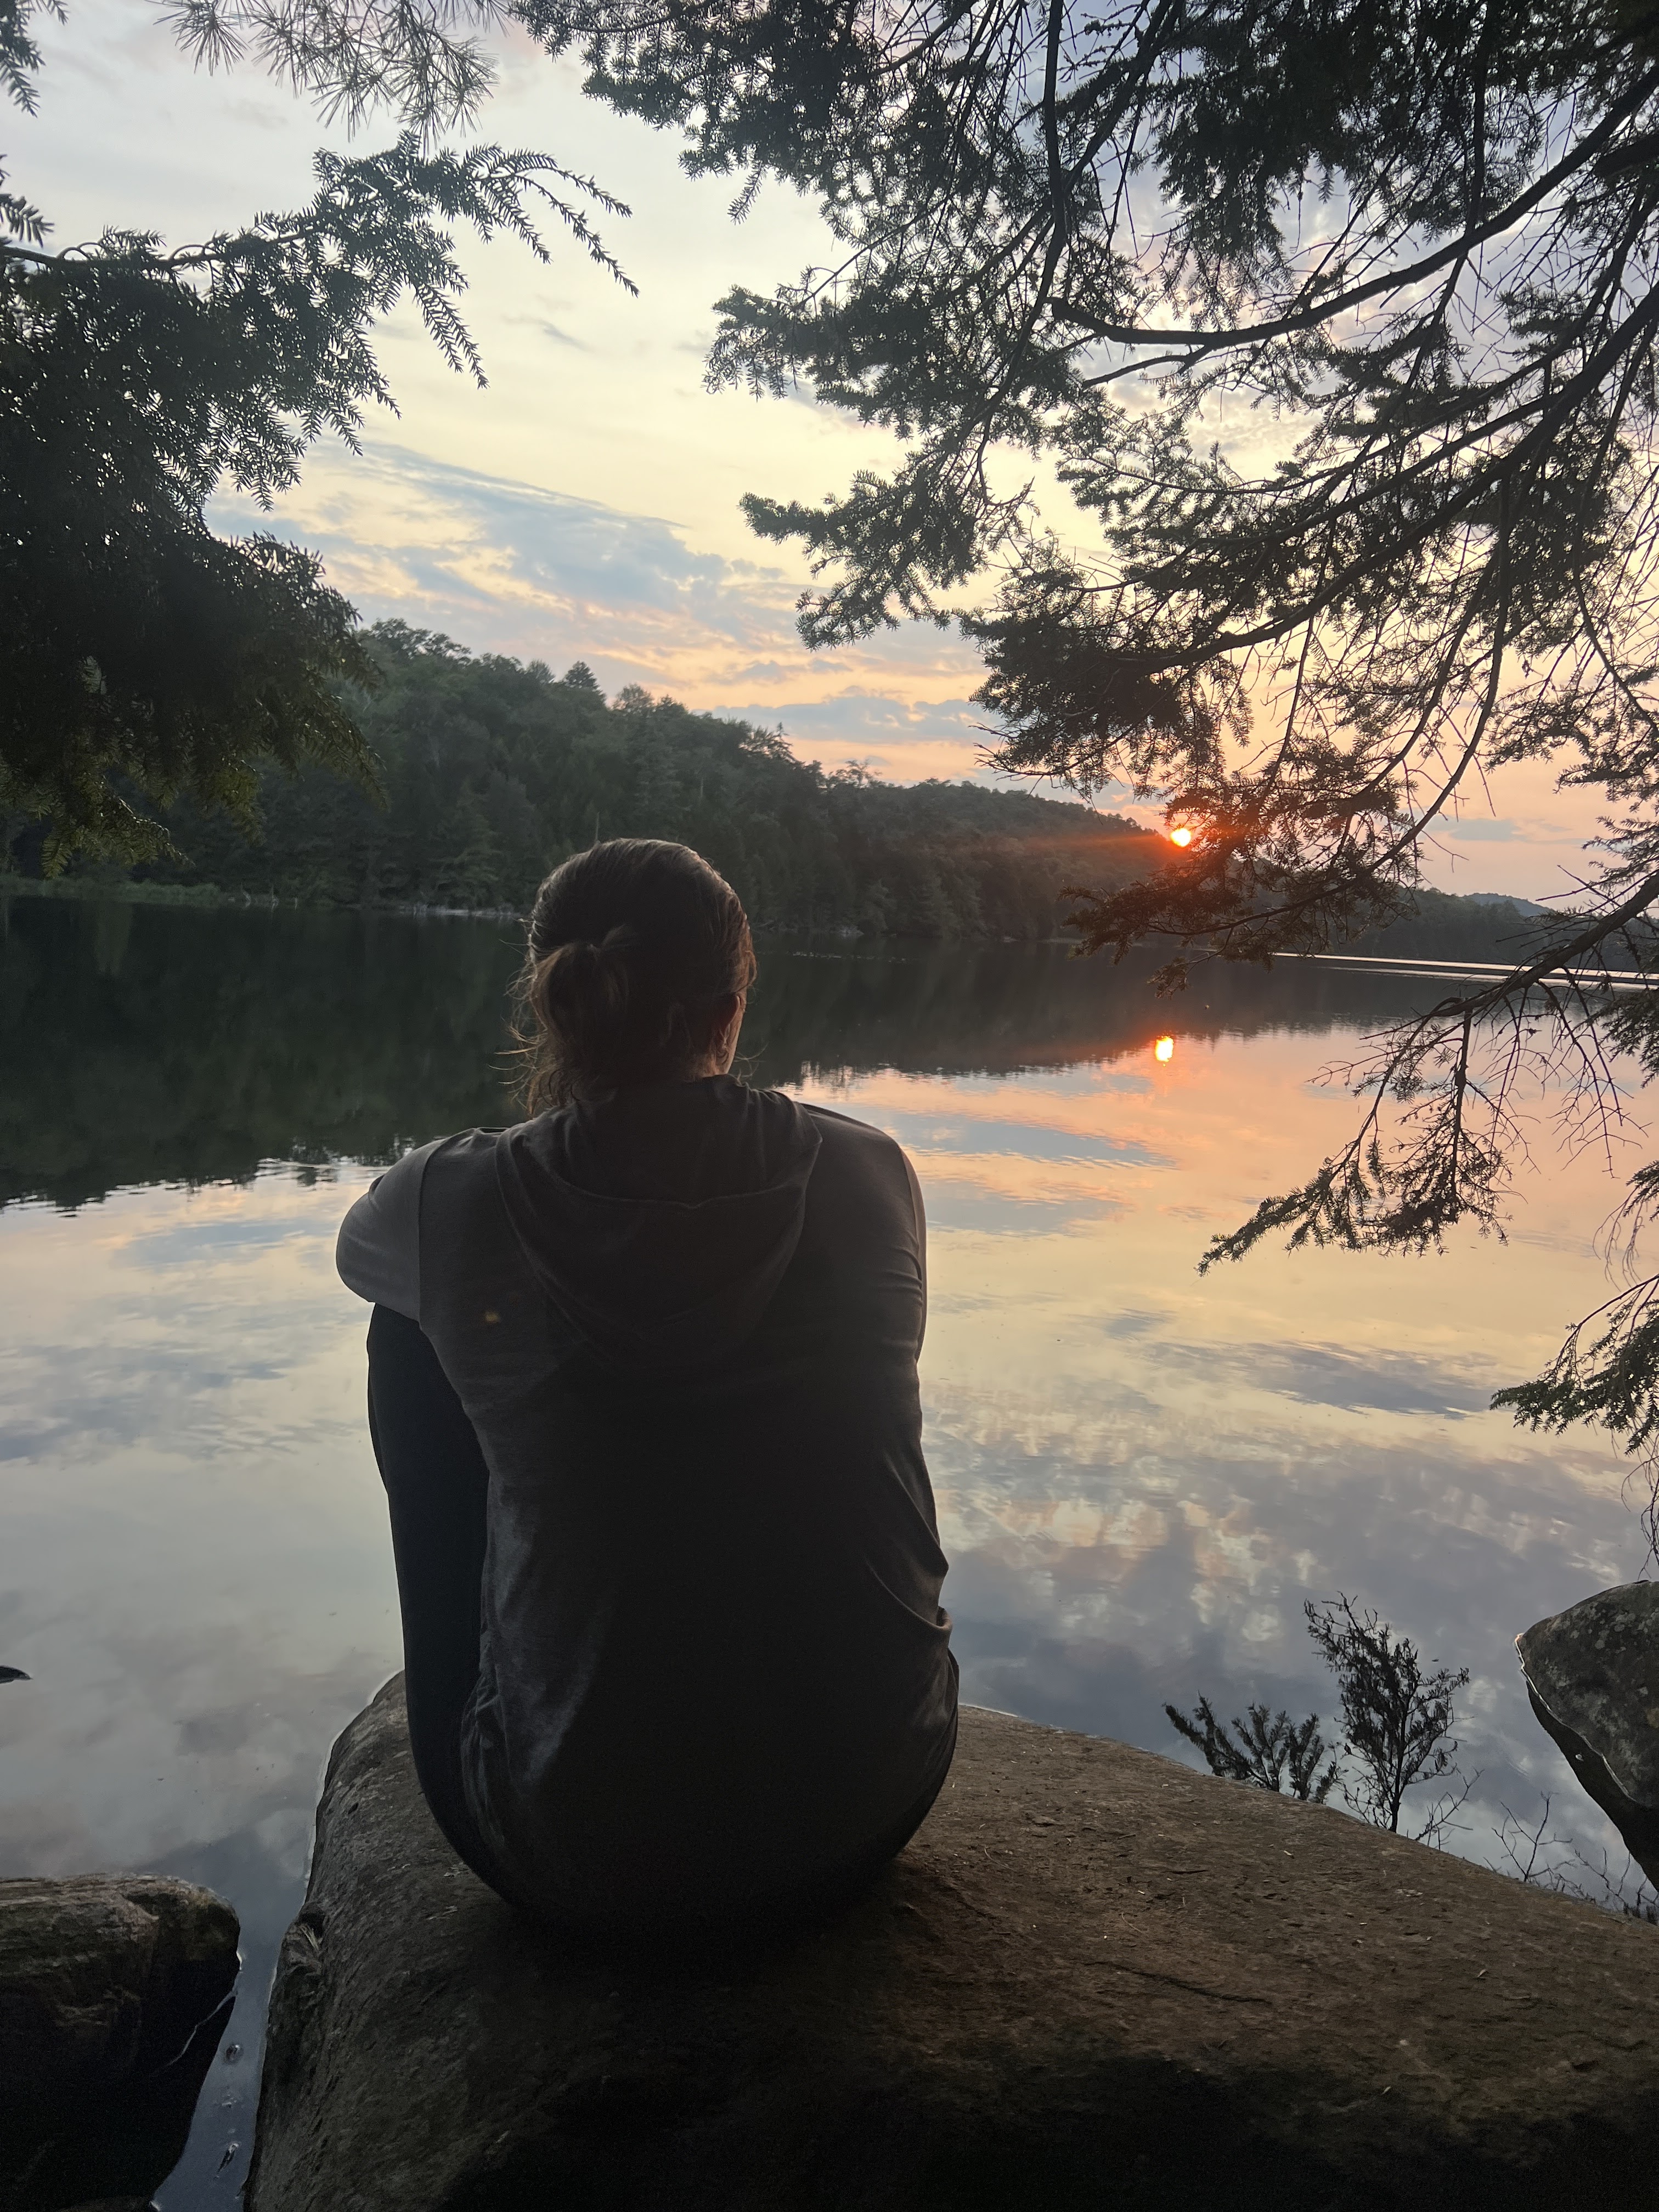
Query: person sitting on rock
x,y
643,1392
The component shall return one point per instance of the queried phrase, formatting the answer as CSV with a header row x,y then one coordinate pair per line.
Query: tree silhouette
x,y
143,657
1397,1717
1266,1751
1340,327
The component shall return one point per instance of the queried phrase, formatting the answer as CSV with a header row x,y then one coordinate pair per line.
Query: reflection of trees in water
x,y
142,1044
217,1039
991,1010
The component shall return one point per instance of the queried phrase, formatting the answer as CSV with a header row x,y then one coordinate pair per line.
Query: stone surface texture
x,y
1096,1979
1593,1675
112,1990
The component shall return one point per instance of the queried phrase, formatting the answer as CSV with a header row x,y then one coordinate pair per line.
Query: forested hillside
x,y
493,771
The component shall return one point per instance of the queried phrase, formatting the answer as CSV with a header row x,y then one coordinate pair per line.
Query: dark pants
x,y
437,1487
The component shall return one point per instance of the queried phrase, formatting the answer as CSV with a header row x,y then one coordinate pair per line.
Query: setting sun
x,y
1181,836
1164,1048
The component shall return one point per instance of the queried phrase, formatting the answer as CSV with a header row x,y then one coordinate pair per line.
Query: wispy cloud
x,y
510,567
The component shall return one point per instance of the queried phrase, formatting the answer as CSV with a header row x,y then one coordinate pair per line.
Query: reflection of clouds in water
x,y
970,1205
1141,1474
959,1137
1326,1375
157,1744
1018,1112
1132,1324
1101,1567
1054,1084
196,1565
1014,1155
205,1240
122,1395
195,1562
125,1341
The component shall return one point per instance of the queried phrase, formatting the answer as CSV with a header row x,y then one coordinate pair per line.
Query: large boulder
x,y
113,1989
1593,1676
1096,1978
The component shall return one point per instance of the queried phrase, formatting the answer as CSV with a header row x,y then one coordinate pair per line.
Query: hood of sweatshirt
x,y
659,1220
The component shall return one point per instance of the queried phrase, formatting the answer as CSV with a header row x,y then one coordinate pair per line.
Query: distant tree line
x,y
491,772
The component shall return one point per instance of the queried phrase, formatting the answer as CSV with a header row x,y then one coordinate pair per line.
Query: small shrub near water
x,y
1397,1722
1397,1719
1265,1751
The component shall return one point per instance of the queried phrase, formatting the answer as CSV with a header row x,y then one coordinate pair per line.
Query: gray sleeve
x,y
378,1252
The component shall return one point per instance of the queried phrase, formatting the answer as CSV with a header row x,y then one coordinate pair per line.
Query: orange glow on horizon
x,y
1181,836
1164,1048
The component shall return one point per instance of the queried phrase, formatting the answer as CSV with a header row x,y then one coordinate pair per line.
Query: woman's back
x,y
713,1659
683,1319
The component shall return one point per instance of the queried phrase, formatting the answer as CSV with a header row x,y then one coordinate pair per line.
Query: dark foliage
x,y
1398,1717
1267,1750
1605,1372
1397,1721
142,658
491,772
1415,251
1543,1860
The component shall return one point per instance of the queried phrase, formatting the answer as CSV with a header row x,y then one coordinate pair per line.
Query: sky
x,y
585,505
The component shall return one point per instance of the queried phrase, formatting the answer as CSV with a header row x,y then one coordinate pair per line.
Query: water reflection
x,y
146,1044
1142,1473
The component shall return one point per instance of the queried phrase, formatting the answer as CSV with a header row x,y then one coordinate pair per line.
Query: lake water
x,y
1141,1474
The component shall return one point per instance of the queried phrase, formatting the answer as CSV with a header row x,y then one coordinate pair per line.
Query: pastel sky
x,y
585,505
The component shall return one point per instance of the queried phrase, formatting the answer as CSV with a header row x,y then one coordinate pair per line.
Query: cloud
x,y
543,327
508,567
504,565
893,737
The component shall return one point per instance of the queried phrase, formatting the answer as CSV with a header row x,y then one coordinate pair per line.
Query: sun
x,y
1164,1048
1181,836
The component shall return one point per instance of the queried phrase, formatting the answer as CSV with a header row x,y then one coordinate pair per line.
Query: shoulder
x,y
859,1158
840,1134
377,1250
470,1153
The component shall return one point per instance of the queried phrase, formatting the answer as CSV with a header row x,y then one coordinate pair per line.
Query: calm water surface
x,y
1141,1474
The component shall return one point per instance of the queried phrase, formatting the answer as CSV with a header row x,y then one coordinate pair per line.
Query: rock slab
x,y
1593,1676
1096,1979
113,1988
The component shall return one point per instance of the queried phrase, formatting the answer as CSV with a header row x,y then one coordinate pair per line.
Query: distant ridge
x,y
492,772
1501,898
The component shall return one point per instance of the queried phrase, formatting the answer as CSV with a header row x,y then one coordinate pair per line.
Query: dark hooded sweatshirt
x,y
684,1322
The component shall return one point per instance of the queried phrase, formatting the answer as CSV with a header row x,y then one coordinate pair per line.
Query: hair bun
x,y
581,987
630,943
